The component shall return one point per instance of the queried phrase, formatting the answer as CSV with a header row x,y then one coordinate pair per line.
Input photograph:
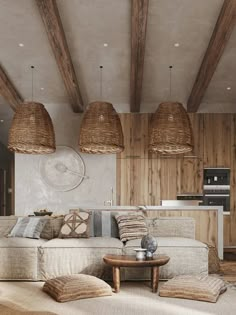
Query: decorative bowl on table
x,y
140,253
42,213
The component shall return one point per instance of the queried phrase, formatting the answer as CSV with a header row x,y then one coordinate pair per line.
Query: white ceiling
x,y
88,24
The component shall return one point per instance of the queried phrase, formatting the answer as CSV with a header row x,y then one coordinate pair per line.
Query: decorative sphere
x,y
149,242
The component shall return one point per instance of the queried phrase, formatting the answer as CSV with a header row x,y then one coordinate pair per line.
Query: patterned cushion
x,y
75,225
202,288
28,227
52,228
75,287
131,226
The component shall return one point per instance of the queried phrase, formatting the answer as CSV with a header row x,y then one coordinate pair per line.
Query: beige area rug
x,y
135,298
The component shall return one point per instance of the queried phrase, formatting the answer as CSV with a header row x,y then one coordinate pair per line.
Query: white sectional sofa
x,y
36,260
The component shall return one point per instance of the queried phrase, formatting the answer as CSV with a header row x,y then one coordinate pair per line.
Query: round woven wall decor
x,y
170,130
101,131
31,130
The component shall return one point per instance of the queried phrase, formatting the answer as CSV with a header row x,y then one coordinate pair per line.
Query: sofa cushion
x,y
75,225
131,226
202,288
28,227
169,242
18,242
76,287
59,257
92,242
187,256
19,258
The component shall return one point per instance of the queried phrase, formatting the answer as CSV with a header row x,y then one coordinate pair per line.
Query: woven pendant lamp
x,y
101,131
170,130
31,130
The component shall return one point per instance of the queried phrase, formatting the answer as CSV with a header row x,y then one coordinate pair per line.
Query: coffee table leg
x,y
116,278
155,279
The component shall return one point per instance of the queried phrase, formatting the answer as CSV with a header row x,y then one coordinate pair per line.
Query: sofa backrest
x,y
103,223
172,226
6,224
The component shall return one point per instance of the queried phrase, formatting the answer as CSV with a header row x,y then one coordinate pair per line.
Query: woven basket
x,y
31,130
170,130
101,130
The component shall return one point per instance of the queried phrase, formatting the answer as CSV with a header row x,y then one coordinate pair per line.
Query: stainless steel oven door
x,y
217,200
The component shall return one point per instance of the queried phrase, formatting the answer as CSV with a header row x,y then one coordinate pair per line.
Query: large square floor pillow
x,y
75,287
201,288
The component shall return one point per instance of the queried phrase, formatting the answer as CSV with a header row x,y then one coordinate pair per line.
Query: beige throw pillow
x,y
202,288
75,287
76,225
52,228
131,226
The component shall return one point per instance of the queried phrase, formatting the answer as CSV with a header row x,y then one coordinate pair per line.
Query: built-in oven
x,y
217,199
216,189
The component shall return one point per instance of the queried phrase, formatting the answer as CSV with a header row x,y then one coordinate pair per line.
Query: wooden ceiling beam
x,y
8,90
53,25
220,36
139,14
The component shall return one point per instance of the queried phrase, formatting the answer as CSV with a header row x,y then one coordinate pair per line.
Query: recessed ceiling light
x,y
176,44
1,121
42,88
228,88
105,44
21,45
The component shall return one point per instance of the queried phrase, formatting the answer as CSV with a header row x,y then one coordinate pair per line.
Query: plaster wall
x,y
32,194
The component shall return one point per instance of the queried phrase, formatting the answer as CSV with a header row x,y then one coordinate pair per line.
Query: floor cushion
x,y
202,288
75,287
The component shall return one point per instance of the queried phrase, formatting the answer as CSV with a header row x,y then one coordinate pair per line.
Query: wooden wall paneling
x,y
123,182
196,121
217,140
191,175
168,178
227,231
154,181
232,218
209,147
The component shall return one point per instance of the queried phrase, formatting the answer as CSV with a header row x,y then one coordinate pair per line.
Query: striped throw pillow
x,y
202,288
131,226
75,287
28,227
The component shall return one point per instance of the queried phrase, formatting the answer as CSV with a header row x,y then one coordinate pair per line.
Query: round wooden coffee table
x,y
117,261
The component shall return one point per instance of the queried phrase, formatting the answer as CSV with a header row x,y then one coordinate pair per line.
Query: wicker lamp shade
x,y
31,130
170,130
101,131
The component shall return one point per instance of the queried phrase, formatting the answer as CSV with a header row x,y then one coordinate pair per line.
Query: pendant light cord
x,y
170,67
101,67
32,83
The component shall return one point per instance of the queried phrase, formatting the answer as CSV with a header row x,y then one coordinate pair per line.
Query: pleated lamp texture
x,y
101,130
170,130
31,131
